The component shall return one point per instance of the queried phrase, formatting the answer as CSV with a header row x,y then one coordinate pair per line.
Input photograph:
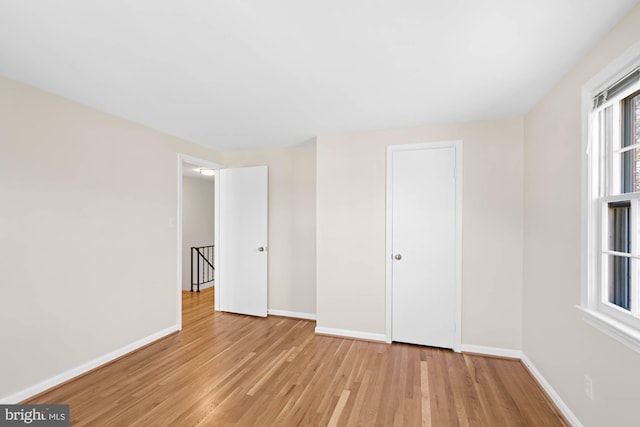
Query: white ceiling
x,y
251,74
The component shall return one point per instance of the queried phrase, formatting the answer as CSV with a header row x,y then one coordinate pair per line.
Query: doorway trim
x,y
457,145
184,158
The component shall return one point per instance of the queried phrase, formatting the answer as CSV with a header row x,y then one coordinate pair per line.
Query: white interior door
x,y
424,246
242,240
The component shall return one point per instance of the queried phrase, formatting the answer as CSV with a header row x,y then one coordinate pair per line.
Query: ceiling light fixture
x,y
207,172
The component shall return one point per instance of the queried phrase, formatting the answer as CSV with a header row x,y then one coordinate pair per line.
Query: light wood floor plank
x,y
342,402
424,388
227,369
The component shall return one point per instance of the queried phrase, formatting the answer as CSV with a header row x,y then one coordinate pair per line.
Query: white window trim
x,y
590,304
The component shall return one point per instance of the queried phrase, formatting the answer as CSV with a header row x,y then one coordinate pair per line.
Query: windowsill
x,y
615,329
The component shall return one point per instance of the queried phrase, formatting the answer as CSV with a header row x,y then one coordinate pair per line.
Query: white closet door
x,y
424,246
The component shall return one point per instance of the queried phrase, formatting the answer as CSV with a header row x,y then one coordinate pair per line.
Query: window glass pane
x,y
619,281
619,227
629,160
630,170
631,117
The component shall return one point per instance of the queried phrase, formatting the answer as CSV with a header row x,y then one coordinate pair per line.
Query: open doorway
x,y
197,227
197,250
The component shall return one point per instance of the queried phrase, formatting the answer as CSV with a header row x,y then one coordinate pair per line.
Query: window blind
x,y
616,88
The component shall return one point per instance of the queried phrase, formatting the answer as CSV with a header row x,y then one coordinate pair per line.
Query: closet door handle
x,y
398,257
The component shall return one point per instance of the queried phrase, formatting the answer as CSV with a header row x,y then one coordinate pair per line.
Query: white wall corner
x,y
568,414
85,367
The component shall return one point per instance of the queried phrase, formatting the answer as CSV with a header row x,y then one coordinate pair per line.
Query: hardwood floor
x,y
227,369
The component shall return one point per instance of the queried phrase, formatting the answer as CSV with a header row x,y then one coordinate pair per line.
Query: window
x,y
611,294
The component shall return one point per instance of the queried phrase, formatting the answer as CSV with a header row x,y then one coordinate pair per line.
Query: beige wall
x,y
87,243
292,244
351,188
197,222
562,346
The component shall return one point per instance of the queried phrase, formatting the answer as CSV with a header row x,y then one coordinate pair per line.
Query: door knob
x,y
261,249
398,257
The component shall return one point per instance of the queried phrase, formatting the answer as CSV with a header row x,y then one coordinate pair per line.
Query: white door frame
x,y
210,165
457,145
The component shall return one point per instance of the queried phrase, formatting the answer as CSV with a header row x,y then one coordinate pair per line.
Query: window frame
x,y
614,321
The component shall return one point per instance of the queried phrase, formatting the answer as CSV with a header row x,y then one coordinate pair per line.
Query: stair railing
x,y
202,270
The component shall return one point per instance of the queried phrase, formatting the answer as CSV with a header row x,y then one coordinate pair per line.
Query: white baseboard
x,y
568,414
491,351
203,286
351,334
294,314
85,367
